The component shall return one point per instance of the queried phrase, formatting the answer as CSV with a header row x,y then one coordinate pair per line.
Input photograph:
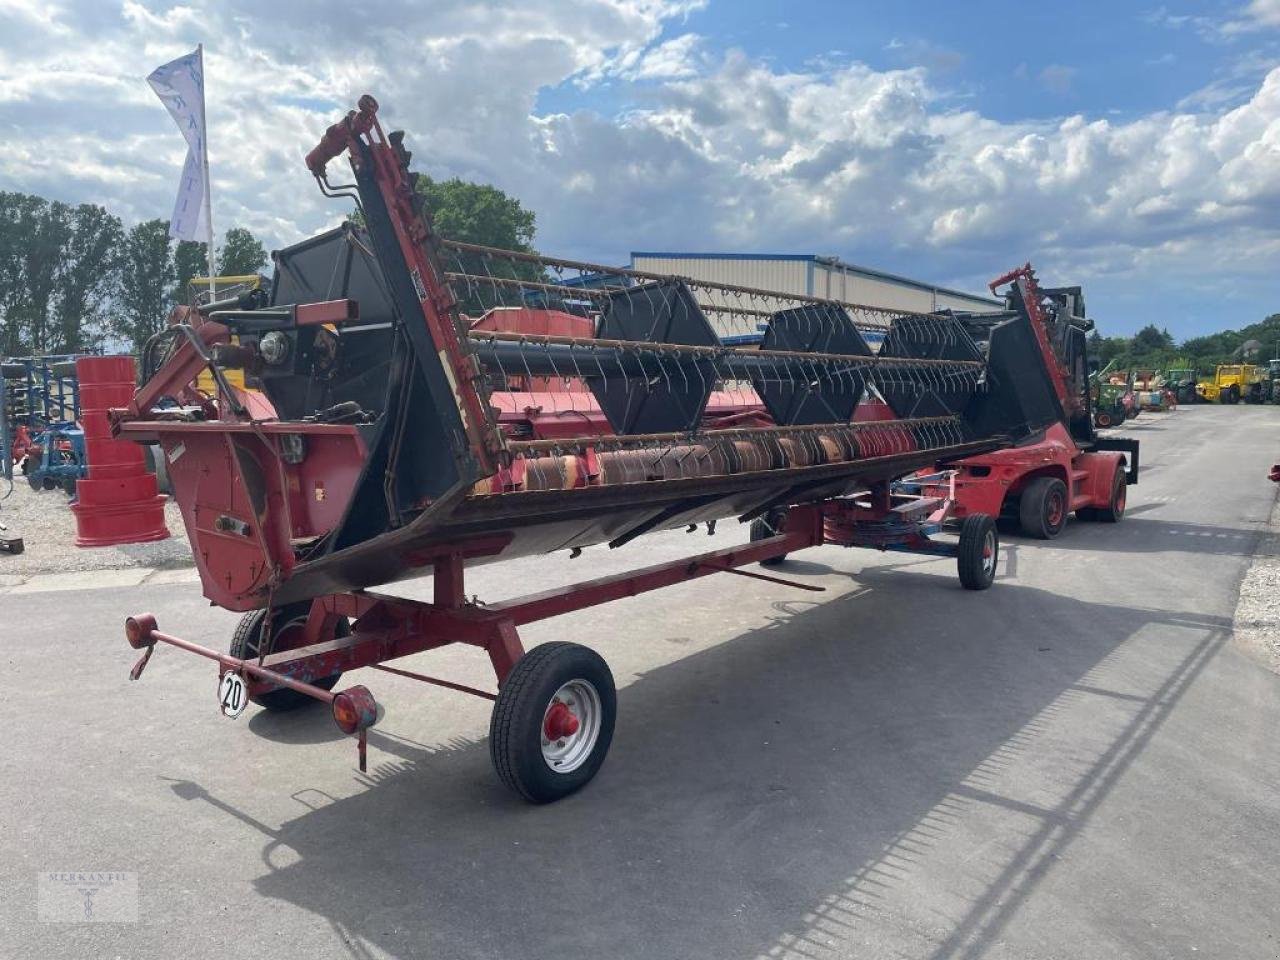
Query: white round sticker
x,y
232,695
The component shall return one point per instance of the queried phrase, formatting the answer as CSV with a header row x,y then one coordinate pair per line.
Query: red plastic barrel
x,y
118,502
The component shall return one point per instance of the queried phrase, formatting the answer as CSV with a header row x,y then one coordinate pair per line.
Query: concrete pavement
x,y
1075,764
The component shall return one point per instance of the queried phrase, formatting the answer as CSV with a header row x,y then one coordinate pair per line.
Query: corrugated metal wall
x,y
784,276
808,276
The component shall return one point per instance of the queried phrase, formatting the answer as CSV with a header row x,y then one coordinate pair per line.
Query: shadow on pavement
x,y
798,787
1142,534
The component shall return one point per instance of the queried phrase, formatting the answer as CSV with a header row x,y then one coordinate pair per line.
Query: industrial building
x,y
813,276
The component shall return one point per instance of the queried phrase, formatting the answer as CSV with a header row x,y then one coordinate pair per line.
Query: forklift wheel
x,y
1043,508
1102,419
553,721
979,552
763,529
1113,512
244,646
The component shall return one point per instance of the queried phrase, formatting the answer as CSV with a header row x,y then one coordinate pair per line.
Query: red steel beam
x,y
805,531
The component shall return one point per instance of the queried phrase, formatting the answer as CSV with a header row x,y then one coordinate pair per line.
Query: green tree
x,y
17,222
241,254
86,277
1151,339
147,273
482,214
478,213
189,260
48,233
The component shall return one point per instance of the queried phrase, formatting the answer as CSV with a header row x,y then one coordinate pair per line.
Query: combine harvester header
x,y
410,438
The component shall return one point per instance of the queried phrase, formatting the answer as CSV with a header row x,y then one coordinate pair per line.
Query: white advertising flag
x,y
180,85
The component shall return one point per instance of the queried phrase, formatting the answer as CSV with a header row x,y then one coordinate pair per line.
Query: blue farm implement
x,y
57,459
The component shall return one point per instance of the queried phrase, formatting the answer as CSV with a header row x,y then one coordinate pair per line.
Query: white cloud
x,y
724,152
1258,15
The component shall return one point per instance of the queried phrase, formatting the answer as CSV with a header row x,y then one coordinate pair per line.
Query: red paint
x,y
118,502
560,722
984,482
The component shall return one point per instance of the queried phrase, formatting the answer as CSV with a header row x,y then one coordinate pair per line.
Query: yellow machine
x,y
1233,382
198,293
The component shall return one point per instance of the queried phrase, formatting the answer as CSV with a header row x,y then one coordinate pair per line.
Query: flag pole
x,y
204,159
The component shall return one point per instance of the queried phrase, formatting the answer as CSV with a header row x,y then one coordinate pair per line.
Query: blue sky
x,y
1131,148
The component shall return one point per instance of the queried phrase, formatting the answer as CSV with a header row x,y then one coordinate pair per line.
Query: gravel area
x,y
48,530
1257,617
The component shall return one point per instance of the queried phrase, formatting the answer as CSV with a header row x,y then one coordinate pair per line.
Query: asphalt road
x,y
1075,764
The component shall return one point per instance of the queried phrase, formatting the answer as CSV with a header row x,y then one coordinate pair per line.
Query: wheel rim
x,y
1053,510
989,554
571,726
1122,494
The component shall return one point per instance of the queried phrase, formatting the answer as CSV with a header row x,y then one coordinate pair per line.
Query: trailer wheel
x,y
553,721
979,552
244,645
1043,508
762,529
1113,512
69,486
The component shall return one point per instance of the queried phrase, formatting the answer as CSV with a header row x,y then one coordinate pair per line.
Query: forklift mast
x,y
1057,318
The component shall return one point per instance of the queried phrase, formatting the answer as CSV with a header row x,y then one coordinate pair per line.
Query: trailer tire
x,y
244,646
763,529
557,674
979,552
1113,512
1043,508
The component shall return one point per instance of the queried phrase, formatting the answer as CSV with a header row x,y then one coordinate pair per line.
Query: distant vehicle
x,y
1233,382
1273,379
1182,381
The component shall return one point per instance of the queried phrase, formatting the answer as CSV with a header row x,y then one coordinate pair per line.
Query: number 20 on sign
x,y
232,695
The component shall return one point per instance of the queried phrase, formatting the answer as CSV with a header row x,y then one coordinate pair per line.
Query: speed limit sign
x,y
232,695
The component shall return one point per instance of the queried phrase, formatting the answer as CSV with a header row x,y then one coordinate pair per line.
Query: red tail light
x,y
137,630
354,709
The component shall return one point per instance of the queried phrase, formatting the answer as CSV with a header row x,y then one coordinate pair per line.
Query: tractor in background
x,y
1112,397
1181,381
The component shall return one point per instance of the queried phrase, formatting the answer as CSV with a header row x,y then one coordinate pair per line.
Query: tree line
x,y
1152,348
73,278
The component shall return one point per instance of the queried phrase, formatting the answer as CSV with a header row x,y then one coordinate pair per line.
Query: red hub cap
x,y
1055,511
560,722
